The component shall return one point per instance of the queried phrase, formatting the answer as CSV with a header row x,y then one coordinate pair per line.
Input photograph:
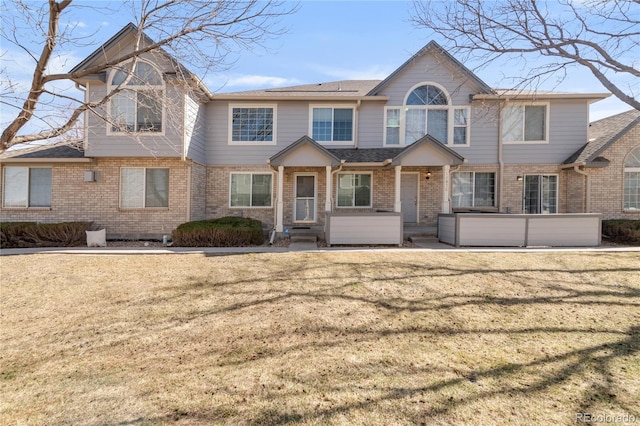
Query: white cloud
x,y
247,82
373,72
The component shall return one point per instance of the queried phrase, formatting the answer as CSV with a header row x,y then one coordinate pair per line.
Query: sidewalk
x,y
296,247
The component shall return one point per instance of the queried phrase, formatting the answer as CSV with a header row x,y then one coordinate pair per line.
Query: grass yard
x,y
369,337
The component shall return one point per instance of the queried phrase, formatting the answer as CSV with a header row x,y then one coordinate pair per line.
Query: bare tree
x,y
601,35
196,34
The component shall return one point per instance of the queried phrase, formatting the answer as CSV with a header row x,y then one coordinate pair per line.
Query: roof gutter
x,y
46,160
258,98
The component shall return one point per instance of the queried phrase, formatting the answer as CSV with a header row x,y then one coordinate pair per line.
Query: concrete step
x,y
303,238
423,239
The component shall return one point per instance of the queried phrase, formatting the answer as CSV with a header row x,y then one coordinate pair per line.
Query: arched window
x,y
138,106
427,110
632,180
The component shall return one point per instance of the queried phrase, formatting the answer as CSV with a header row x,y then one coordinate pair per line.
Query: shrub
x,y
626,231
227,231
31,234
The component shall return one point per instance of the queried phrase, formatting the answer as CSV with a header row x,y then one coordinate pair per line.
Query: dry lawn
x,y
399,337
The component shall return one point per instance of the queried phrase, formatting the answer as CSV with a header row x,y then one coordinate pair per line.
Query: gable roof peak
x,y
434,46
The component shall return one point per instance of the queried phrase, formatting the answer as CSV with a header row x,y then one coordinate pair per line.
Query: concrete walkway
x,y
296,247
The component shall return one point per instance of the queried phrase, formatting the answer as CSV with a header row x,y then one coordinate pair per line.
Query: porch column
x,y
397,207
446,205
280,202
328,190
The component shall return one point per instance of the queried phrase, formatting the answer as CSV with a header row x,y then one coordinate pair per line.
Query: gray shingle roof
x,y
343,88
365,155
602,134
55,152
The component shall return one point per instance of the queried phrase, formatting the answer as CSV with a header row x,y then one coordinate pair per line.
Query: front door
x,y
304,208
409,196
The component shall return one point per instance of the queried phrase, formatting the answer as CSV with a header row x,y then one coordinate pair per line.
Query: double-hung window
x,y
354,190
250,190
474,189
144,188
27,187
330,124
137,106
632,180
525,123
252,125
427,110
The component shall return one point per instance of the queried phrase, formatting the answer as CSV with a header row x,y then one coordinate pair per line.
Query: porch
x,y
367,186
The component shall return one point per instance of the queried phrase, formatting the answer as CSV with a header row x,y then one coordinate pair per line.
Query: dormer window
x,y
427,110
138,106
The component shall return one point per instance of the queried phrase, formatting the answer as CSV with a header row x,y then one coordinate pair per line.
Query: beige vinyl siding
x,y
568,126
195,137
166,144
371,125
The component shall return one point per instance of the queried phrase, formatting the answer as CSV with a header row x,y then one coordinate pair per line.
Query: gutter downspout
x,y
355,125
85,119
333,173
275,210
587,201
500,158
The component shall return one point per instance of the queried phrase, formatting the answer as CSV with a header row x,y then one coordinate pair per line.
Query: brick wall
x,y
607,183
76,200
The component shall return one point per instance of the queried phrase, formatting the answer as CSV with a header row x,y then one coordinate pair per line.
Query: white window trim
x,y
27,206
315,196
371,192
270,206
252,143
144,189
557,190
449,107
333,107
143,88
523,104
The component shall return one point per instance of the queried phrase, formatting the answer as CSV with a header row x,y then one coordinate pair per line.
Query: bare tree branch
x,y
601,36
197,33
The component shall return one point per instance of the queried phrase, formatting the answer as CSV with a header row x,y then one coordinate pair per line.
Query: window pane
x,y
157,188
534,123
146,74
437,124
132,188
252,125
305,186
633,159
363,190
393,127
632,190
240,190
149,116
345,190
123,111
415,125
460,117
460,135
322,124
16,186
427,95
484,190
343,124
549,194
462,189
532,194
512,118
261,196
40,188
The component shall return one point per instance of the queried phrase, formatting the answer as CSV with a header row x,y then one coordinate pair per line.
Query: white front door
x,y
304,208
409,196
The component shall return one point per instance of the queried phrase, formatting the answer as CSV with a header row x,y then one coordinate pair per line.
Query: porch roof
x,y
306,152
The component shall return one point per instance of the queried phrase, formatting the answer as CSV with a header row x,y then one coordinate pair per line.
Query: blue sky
x,y
326,41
